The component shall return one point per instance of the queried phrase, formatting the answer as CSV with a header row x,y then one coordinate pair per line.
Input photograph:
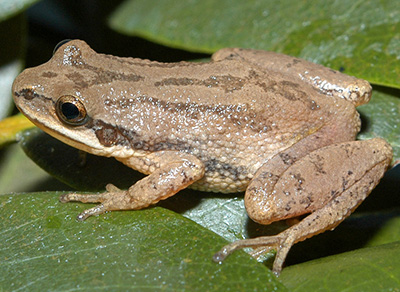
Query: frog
x,y
278,128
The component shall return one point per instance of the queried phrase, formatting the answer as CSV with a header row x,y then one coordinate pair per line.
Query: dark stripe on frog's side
x,y
227,82
102,77
109,135
288,90
239,115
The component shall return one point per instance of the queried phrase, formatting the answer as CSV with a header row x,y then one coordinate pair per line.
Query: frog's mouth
x,y
84,137
68,137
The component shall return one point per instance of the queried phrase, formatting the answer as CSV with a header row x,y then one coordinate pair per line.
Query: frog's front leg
x,y
328,183
170,173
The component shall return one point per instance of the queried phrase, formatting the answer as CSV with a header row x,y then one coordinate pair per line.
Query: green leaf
x,y
362,38
9,8
381,118
45,249
389,229
367,269
14,165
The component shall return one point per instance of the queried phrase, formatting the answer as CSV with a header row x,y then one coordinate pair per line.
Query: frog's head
x,y
58,97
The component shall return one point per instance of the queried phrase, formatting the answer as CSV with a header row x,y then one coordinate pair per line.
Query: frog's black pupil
x,y
70,111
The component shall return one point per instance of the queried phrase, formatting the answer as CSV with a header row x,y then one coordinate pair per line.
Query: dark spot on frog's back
x,y
290,91
101,77
294,62
49,74
78,79
175,82
109,76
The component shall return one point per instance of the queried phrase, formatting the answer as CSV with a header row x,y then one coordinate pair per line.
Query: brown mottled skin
x,y
280,128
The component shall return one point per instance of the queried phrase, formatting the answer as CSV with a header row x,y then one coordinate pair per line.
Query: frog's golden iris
x,y
71,111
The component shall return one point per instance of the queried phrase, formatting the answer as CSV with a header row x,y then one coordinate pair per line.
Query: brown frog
x,y
280,128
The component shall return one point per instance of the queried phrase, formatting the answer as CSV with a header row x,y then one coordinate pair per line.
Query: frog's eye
x,y
71,110
60,44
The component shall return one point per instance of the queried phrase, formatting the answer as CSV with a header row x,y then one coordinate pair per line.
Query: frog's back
x,y
232,116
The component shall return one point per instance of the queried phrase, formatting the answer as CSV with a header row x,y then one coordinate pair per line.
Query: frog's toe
x,y
259,251
112,189
71,197
261,245
85,198
63,198
97,210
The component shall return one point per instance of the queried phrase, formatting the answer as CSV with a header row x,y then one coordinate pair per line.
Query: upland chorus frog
x,y
279,128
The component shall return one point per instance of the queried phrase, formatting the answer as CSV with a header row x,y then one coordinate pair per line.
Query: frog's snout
x,y
23,89
20,88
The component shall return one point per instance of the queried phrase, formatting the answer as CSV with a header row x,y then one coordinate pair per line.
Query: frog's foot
x,y
107,199
281,243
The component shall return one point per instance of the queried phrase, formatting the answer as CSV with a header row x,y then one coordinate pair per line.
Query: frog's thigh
x,y
317,181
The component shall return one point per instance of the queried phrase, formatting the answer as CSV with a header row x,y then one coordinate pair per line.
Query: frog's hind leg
x,y
328,183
